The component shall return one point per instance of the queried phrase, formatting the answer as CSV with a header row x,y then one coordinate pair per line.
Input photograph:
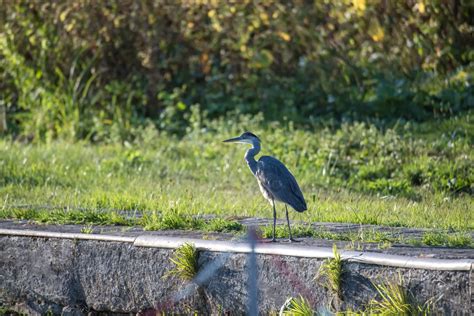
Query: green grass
x,y
153,220
297,306
447,240
62,216
185,260
393,298
384,239
87,229
410,175
396,299
332,271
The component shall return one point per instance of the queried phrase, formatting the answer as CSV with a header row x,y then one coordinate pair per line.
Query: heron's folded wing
x,y
278,180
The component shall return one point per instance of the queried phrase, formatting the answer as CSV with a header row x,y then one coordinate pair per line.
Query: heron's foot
x,y
293,240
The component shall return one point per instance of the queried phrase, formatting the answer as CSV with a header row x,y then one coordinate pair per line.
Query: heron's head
x,y
245,138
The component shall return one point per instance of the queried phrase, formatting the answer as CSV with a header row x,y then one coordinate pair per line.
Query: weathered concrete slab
x,y
78,276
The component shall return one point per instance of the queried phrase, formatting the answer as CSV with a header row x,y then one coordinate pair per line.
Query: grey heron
x,y
275,181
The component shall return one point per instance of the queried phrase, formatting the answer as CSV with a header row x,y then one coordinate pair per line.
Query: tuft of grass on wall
x,y
185,260
396,299
297,306
332,271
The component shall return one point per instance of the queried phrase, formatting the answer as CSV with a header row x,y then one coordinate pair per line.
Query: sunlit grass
x,y
393,298
185,261
396,299
332,271
168,181
297,306
154,220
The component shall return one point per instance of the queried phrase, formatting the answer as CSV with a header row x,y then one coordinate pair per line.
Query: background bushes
x,y
93,70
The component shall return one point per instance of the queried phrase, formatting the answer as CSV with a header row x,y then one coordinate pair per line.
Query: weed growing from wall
x,y
396,299
185,260
332,271
298,306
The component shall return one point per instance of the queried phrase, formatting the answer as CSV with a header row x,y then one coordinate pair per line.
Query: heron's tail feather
x,y
300,206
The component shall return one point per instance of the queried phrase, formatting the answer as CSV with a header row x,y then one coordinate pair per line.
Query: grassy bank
x,y
413,175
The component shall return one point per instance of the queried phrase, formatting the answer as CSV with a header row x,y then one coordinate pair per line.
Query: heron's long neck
x,y
250,157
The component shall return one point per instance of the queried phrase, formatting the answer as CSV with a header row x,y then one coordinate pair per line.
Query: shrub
x,y
63,76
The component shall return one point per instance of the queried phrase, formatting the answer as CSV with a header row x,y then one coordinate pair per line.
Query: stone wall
x,y
71,276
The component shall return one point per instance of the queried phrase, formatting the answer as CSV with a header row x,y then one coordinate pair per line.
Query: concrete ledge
x,y
74,274
309,252
263,248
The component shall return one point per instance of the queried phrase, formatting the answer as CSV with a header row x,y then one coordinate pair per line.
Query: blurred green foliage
x,y
82,69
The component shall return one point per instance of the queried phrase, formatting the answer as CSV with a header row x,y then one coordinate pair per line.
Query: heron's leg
x,y
288,222
274,219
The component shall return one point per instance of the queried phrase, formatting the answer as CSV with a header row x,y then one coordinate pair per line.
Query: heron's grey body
x,y
275,181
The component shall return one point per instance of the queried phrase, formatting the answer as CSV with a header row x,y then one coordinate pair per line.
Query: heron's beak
x,y
233,140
